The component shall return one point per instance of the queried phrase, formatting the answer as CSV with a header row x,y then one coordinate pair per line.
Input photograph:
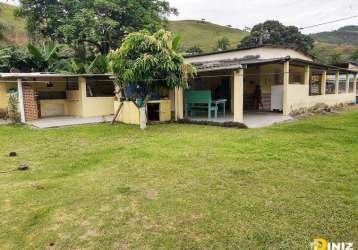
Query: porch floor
x,y
4,122
62,121
251,119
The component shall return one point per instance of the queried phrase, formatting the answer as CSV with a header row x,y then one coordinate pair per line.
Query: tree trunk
x,y
117,113
119,95
143,114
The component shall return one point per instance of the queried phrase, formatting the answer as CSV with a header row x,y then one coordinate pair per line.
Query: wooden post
x,y
347,83
21,100
336,89
179,103
355,84
323,82
239,96
286,82
307,75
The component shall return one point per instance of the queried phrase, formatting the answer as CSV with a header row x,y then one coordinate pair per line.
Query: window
x,y
342,83
99,87
351,83
331,84
315,84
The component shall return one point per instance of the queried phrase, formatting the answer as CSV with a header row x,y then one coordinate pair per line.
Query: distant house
x,y
225,89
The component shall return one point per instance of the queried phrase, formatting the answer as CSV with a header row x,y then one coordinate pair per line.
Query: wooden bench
x,y
199,100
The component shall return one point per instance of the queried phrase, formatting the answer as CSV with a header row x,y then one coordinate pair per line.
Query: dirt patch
x,y
321,109
151,194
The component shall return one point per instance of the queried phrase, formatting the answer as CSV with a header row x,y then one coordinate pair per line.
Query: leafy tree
x,y
275,33
354,56
194,50
98,66
44,58
14,59
336,58
98,24
151,62
223,44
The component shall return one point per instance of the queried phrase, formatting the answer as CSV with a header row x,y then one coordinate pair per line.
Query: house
x,y
222,91
44,95
289,81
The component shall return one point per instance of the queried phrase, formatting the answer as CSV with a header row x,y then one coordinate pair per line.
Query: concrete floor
x,y
251,119
4,122
54,122
264,119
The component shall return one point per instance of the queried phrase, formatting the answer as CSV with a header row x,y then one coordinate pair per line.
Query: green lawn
x,y
180,186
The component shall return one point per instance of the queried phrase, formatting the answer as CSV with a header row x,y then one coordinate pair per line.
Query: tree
x,y
354,56
14,59
151,62
98,66
194,50
99,24
44,58
275,33
223,44
336,58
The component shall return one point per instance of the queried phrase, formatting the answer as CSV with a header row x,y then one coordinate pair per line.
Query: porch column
x,y
323,82
336,89
21,100
347,83
355,84
239,96
286,81
179,103
307,75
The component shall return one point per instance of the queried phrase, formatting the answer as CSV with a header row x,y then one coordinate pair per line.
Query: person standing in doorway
x,y
258,98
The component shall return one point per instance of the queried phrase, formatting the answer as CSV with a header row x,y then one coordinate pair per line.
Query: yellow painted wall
x,y
47,105
4,87
129,113
298,97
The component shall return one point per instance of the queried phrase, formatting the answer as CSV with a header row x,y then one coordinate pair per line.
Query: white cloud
x,y
241,13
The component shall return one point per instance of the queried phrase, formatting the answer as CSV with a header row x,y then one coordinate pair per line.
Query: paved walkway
x,y
264,119
55,122
4,122
251,119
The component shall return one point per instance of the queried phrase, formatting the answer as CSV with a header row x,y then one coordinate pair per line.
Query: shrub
x,y
13,109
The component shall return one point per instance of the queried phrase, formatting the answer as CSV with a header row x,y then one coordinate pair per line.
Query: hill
x,y
15,27
346,35
204,34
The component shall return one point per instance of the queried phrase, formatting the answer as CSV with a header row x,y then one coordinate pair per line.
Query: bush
x,y
13,109
3,114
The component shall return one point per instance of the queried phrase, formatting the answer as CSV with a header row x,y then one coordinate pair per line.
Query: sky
x,y
247,13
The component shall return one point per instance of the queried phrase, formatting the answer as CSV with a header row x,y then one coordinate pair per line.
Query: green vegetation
x,y
346,35
180,186
204,34
275,33
15,31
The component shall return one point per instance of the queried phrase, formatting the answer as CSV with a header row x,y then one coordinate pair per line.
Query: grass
x,y
16,27
180,186
205,34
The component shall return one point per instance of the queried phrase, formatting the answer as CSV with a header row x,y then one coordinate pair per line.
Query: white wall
x,y
264,53
298,97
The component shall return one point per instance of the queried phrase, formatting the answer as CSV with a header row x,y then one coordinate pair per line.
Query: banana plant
x,y
98,66
44,58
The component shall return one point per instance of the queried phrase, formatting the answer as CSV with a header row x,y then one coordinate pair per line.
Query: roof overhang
x,y
48,75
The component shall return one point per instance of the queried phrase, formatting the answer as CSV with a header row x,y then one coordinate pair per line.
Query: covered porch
x,y
224,91
46,97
